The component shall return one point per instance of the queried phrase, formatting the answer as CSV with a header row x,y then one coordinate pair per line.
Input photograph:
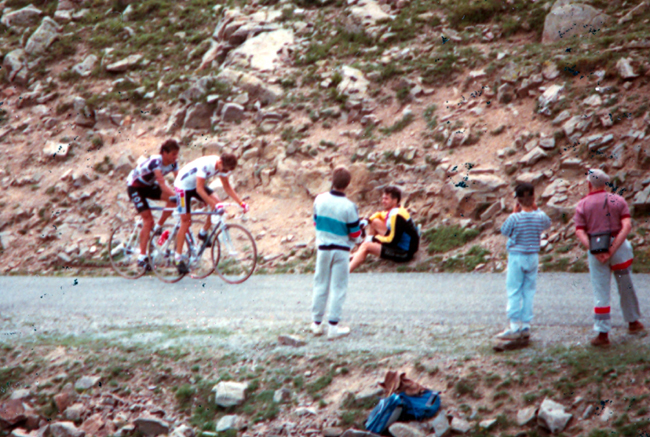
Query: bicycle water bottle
x,y
163,237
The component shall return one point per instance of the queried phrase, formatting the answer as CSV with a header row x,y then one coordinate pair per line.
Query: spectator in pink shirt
x,y
606,214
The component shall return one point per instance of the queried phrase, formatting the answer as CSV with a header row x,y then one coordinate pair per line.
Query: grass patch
x,y
466,262
446,238
399,125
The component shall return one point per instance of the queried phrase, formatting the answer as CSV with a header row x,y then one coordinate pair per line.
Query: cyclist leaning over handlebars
x,y
190,183
147,181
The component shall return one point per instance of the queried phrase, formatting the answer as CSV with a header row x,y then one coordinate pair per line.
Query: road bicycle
x,y
233,255
124,246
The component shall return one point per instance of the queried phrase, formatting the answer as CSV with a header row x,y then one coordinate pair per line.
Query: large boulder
x,y
44,36
13,62
22,17
570,21
255,87
262,52
199,116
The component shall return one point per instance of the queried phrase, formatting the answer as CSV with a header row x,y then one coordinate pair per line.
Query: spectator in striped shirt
x,y
337,230
524,228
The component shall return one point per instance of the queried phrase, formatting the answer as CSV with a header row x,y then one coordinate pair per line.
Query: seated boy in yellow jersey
x,y
391,233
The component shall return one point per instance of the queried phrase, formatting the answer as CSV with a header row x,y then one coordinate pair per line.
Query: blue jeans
x,y
521,283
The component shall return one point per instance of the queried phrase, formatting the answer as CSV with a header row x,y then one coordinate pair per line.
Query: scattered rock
x,y
21,394
199,116
176,120
399,429
230,393
232,112
526,416
368,12
606,415
487,424
86,382
332,431
552,416
460,426
227,422
291,340
625,70
74,412
65,429
357,433
14,62
282,395
55,150
11,412
86,67
570,21
533,156
124,64
262,52
44,36
440,424
151,426
26,16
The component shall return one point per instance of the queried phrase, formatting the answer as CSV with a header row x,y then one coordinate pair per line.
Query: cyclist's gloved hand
x,y
245,207
219,208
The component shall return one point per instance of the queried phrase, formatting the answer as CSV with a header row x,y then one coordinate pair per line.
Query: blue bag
x,y
404,407
385,414
420,407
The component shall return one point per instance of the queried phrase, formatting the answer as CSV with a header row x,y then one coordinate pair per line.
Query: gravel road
x,y
387,312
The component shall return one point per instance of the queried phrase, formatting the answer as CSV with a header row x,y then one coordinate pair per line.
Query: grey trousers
x,y
601,281
331,276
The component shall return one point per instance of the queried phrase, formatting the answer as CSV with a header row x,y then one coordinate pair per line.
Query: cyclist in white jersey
x,y
146,181
190,183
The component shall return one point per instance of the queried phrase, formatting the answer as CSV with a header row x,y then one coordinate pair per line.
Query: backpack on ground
x,y
385,414
402,407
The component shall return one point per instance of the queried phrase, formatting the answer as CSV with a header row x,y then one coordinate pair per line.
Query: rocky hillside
x,y
454,102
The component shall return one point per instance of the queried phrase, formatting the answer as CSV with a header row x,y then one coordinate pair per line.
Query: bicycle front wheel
x,y
234,254
123,251
161,258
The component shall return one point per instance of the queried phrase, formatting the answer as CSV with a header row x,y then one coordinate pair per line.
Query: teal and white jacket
x,y
337,221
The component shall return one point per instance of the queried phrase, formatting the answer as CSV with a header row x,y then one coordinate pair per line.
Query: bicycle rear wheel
x,y
203,266
234,254
123,251
161,258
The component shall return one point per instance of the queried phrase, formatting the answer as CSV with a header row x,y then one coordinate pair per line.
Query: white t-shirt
x,y
204,167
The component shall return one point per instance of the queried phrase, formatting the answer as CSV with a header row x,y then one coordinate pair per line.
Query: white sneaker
x,y
317,329
509,334
336,331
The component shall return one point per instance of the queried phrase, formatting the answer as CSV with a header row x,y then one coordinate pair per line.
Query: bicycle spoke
x,y
123,251
234,254
161,258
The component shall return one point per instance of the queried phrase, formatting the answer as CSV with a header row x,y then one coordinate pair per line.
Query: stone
x,y
460,426
593,100
65,398
11,412
255,87
625,70
493,210
562,116
13,63
232,112
230,393
505,93
291,340
198,116
606,415
96,426
226,423
547,143
124,64
53,149
353,82
533,156
86,67
552,416
570,125
44,36
332,431
151,426
176,120
21,394
400,429
529,177
65,429
550,70
86,382
357,433
550,96
183,431
26,16
368,12
487,424
638,10
262,52
587,412
526,416
74,412
570,21
440,425
282,395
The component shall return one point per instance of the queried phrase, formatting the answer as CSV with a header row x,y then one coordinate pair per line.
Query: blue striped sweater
x,y
525,230
337,221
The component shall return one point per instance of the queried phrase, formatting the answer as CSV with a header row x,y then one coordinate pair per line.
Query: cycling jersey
x,y
401,231
143,173
204,167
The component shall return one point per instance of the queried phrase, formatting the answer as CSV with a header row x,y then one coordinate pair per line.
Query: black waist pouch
x,y
599,243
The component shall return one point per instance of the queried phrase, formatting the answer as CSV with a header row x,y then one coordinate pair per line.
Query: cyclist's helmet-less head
x,y
169,146
228,163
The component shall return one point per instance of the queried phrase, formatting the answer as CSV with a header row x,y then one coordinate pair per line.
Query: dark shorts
x,y
185,199
395,254
139,196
